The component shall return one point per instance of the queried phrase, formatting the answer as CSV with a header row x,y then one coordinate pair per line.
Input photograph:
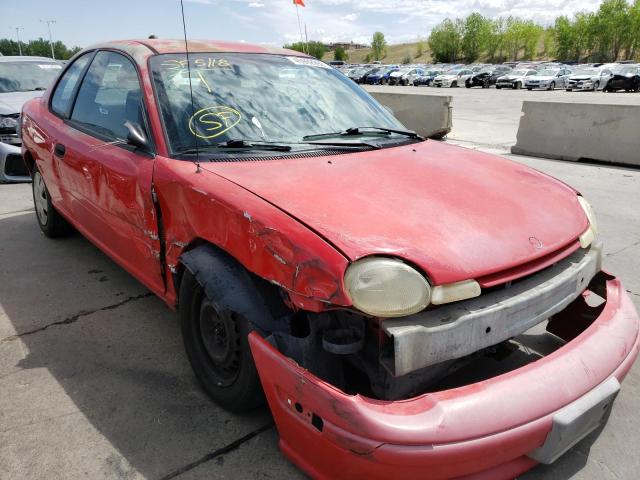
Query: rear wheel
x,y
51,223
454,84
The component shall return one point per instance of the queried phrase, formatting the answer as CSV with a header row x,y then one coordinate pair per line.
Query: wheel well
x,y
274,297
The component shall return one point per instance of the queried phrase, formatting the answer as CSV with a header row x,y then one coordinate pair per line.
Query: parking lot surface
x,y
489,118
94,382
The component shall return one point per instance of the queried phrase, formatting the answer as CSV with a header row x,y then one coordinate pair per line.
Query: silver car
x,y
591,79
21,78
548,79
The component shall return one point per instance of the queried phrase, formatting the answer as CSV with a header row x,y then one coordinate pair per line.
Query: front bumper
x,y
490,429
12,167
580,85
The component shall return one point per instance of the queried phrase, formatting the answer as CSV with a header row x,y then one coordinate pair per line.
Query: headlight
x,y
386,287
592,232
8,122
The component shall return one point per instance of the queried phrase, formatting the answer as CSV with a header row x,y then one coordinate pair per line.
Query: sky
x,y
272,22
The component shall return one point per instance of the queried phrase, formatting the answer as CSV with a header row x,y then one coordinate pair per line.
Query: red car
x,y
311,243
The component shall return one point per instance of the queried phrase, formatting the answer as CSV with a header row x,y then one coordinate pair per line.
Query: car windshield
x,y
254,97
585,71
26,76
518,73
548,72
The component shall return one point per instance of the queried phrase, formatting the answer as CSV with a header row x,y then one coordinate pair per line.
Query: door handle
x,y
59,150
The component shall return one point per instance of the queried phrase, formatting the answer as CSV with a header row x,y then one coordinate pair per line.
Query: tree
x,y
313,48
39,47
445,40
378,46
340,54
407,59
476,32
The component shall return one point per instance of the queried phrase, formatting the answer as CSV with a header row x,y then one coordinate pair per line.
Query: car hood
x,y
510,77
581,77
544,78
454,212
12,102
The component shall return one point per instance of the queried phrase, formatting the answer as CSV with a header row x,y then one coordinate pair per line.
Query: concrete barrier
x,y
428,115
575,131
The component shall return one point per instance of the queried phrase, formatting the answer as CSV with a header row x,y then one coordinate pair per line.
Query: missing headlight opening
x,y
359,354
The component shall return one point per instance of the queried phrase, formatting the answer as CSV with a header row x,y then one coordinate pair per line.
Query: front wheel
x,y
596,86
454,85
517,86
552,86
51,223
216,340
498,87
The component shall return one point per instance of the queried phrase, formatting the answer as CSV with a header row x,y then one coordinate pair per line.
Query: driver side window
x,y
109,96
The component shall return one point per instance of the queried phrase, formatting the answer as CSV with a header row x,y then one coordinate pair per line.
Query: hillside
x,y
395,53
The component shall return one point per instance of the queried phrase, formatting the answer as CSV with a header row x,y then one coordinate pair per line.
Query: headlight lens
x,y
592,232
386,287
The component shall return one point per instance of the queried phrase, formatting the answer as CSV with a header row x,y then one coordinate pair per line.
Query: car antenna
x,y
193,108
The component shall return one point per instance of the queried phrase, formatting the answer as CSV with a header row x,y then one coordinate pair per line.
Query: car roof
x,y
26,58
139,49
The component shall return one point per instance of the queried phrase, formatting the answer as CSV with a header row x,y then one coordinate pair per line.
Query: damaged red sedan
x,y
388,295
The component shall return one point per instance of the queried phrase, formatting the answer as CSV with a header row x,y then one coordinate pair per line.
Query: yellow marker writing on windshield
x,y
211,122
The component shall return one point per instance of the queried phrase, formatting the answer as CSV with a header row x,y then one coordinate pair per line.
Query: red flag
x,y
299,2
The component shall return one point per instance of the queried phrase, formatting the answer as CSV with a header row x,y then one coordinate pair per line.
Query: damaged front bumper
x,y
495,428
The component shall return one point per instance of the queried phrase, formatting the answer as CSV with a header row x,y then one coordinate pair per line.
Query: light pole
x,y
18,35
49,22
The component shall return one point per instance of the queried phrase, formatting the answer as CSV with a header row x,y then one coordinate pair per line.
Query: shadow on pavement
x,y
117,353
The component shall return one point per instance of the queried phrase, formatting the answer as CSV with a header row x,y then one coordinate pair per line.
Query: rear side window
x,y
63,94
110,95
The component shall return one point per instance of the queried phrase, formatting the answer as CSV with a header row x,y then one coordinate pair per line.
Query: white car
x,y
21,78
408,76
591,79
548,79
514,79
452,78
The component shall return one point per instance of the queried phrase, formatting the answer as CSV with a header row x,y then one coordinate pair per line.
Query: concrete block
x,y
428,115
579,131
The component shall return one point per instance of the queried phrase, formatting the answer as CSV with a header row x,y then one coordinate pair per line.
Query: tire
x,y
517,86
529,88
52,224
498,87
216,338
569,90
596,86
467,84
552,86
454,85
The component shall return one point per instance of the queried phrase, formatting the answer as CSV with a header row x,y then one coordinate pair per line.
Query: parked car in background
x,y
426,78
624,77
382,77
452,78
394,77
586,78
359,75
21,78
514,79
487,76
323,257
548,79
408,76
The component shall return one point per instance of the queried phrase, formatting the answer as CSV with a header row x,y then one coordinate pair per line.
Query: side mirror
x,y
136,135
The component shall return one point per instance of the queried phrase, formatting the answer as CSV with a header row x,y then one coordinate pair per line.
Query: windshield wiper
x,y
236,145
373,146
355,131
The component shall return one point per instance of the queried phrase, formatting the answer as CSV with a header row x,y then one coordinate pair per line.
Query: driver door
x,y
109,179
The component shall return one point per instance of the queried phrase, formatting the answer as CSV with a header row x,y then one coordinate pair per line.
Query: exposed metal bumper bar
x,y
461,328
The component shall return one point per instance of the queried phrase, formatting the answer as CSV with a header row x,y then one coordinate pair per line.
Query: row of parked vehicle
x,y
608,77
